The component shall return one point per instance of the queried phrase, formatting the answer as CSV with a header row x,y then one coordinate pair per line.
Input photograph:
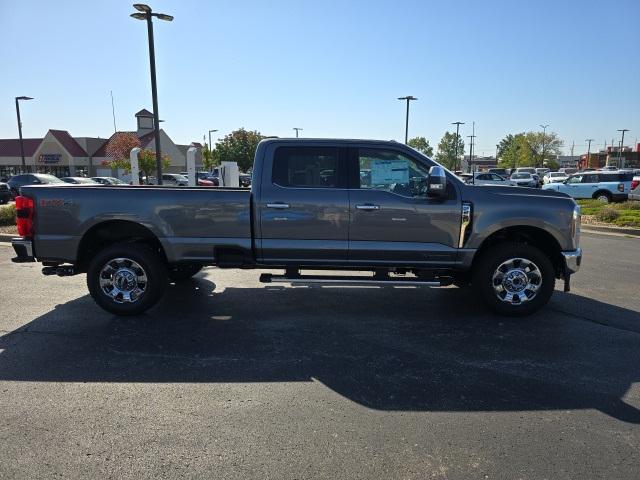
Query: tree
x,y
447,150
238,146
146,162
208,160
121,144
422,145
525,150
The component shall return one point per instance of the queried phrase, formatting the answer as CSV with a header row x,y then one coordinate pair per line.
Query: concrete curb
x,y
634,232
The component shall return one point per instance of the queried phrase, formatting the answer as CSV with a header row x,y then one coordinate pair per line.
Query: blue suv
x,y
603,186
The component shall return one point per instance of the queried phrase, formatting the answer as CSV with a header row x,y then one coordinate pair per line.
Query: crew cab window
x,y
590,178
392,172
306,167
575,179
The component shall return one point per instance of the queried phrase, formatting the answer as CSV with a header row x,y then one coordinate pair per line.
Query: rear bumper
x,y
572,260
634,196
24,250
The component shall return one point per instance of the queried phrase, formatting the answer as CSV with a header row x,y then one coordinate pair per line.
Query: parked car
x,y
605,186
79,180
634,192
205,179
568,170
174,179
18,181
108,181
503,172
5,193
608,168
523,179
245,180
411,215
554,177
485,178
541,172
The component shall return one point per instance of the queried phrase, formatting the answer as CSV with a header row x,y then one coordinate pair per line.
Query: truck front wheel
x,y
514,279
127,279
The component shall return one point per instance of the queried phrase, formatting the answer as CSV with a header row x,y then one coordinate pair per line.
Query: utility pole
x,y
457,124
24,165
471,145
497,149
408,98
544,137
297,129
620,165
589,140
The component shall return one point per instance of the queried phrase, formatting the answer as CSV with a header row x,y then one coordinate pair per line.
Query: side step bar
x,y
348,281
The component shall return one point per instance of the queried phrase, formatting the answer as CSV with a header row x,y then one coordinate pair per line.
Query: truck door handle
x,y
280,206
368,206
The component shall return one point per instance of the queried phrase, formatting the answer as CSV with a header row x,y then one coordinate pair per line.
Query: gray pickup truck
x,y
379,212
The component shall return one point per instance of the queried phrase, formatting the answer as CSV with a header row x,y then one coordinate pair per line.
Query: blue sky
x,y
334,68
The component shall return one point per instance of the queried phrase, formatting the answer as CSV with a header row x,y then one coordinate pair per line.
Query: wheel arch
x,y
110,232
529,235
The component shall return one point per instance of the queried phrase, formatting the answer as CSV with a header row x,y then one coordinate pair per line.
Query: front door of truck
x,y
393,221
304,206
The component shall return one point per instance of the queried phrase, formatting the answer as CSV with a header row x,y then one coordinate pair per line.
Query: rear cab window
x,y
309,167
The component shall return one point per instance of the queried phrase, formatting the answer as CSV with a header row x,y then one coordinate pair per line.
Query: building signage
x,y
49,158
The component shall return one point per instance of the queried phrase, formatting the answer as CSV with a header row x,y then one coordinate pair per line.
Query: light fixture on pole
x,y
621,147
544,136
457,124
210,131
24,165
297,129
408,98
145,13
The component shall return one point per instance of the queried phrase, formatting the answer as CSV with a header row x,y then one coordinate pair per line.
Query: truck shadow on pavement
x,y
384,348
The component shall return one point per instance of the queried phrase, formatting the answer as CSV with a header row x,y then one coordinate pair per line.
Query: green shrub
x,y
7,215
607,214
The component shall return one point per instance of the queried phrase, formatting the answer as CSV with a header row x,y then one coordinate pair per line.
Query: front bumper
x,y
572,260
24,250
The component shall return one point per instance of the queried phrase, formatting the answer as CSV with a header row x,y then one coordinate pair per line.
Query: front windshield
x,y
45,178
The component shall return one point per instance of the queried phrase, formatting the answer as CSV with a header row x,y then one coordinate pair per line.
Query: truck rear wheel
x,y
514,279
126,279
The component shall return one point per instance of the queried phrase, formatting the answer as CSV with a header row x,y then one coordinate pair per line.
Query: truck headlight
x,y
576,224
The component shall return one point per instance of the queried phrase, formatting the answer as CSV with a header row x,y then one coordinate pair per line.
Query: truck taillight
x,y
24,216
634,184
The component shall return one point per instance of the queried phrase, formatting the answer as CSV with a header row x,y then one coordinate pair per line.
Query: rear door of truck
x,y
303,205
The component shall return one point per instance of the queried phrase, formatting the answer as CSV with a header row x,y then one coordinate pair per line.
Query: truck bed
x,y
188,221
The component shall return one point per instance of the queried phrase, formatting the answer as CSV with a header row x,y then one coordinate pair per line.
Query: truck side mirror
x,y
437,183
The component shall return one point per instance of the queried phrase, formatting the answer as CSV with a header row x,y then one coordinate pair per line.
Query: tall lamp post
x,y
24,164
544,137
211,131
621,147
297,129
588,164
145,13
408,98
457,124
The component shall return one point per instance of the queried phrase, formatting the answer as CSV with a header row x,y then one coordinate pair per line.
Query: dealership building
x,y
61,154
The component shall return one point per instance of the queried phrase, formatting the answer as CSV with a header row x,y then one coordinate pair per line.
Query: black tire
x,y
153,268
179,273
486,280
603,196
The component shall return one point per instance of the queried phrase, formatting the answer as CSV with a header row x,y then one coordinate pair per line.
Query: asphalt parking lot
x,y
228,378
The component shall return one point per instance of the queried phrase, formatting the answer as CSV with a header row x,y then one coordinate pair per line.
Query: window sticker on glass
x,y
389,171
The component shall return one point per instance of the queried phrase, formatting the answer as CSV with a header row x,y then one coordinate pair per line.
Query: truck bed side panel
x,y
189,222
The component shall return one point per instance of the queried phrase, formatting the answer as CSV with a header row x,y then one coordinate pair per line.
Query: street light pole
x,y
24,164
544,137
408,98
457,124
147,14
214,130
297,129
621,147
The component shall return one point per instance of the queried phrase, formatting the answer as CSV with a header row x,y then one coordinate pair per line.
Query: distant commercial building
x,y
478,163
612,156
63,155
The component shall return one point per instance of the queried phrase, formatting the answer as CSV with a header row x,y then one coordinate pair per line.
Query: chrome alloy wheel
x,y
123,280
517,281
